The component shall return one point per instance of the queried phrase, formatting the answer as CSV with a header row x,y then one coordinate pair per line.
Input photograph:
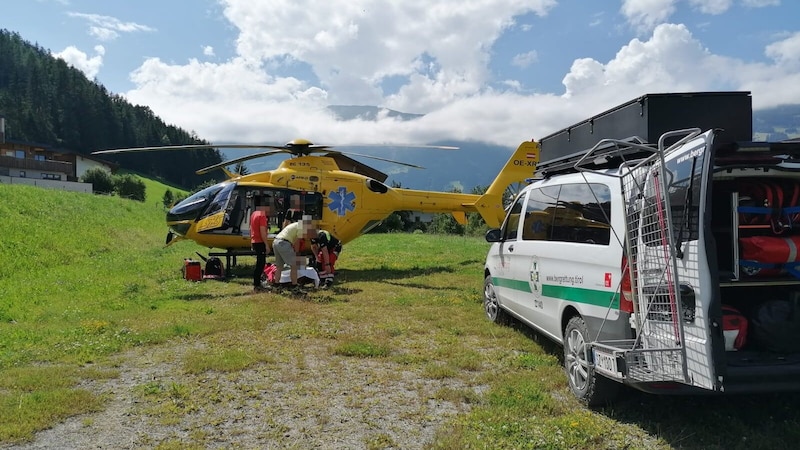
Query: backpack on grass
x,y
215,270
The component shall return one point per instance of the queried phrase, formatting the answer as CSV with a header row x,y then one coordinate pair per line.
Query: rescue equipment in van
x,y
776,326
734,328
770,255
773,203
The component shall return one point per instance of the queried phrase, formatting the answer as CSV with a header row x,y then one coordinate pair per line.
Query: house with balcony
x,y
45,166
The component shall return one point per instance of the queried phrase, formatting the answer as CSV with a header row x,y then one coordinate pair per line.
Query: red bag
x,y
271,272
734,327
770,255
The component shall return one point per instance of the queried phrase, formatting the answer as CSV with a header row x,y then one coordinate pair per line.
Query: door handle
x,y
511,248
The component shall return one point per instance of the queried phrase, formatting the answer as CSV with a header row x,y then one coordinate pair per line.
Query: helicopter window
x,y
512,220
539,213
220,201
312,205
193,202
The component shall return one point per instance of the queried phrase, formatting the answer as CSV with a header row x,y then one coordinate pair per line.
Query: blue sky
x,y
494,71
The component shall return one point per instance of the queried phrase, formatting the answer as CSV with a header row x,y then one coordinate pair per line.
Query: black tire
x,y
491,306
591,388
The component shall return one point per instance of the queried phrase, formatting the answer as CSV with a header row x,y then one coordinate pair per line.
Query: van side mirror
x,y
494,235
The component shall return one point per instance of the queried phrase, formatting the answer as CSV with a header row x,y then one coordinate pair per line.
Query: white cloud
x,y
357,43
711,6
786,52
525,59
644,15
81,61
107,28
441,52
208,50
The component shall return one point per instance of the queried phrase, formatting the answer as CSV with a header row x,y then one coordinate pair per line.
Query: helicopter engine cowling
x,y
376,186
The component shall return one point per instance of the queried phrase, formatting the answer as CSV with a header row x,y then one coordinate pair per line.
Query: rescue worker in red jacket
x,y
259,231
326,250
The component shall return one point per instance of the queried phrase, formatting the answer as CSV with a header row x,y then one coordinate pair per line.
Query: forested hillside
x,y
47,102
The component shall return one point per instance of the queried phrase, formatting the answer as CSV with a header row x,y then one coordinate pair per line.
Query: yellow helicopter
x,y
343,196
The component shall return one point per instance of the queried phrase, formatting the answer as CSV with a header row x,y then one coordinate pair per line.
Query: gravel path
x,y
320,401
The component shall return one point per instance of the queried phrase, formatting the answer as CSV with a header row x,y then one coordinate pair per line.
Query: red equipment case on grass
x,y
192,271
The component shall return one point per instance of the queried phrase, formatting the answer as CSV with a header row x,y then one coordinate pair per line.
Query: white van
x,y
670,267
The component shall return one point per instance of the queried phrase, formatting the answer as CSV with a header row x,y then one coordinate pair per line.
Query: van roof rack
x,y
608,154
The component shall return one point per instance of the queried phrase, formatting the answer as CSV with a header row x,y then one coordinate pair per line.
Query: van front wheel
x,y
590,388
491,306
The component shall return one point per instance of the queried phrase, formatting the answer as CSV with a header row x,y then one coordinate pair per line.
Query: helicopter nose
x,y
185,210
181,216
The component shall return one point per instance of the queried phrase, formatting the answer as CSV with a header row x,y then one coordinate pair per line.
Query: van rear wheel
x,y
491,305
590,388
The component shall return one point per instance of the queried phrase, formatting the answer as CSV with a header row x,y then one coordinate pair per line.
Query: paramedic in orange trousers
x,y
258,242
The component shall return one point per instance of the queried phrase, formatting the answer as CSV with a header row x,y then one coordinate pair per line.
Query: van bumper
x,y
751,372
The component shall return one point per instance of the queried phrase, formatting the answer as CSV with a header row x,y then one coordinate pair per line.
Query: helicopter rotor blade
x,y
187,147
379,159
205,170
439,147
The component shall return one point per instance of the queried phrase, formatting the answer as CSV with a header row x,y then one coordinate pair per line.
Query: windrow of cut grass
x,y
84,278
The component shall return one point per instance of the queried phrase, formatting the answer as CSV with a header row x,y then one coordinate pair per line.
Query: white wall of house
x,y
50,184
83,164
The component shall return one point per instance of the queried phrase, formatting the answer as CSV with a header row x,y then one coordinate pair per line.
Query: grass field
x,y
85,278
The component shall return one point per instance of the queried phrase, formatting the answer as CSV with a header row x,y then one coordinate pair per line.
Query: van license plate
x,y
606,363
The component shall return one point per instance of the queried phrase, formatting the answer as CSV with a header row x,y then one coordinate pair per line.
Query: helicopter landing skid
x,y
230,258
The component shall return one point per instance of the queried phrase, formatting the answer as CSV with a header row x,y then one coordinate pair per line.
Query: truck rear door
x,y
671,272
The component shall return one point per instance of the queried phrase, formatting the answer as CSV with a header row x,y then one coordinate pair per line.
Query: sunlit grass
x,y
85,279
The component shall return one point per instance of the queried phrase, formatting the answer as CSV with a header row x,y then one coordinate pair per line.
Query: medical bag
x,y
192,271
734,328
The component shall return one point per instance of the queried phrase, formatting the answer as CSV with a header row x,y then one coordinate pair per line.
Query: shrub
x,y
169,198
129,186
102,181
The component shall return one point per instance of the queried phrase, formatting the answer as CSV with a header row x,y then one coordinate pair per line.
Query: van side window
x,y
582,214
539,213
512,220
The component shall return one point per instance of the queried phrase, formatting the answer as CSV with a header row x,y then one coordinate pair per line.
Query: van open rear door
x,y
658,353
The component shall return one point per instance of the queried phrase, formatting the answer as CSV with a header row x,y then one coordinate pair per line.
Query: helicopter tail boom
x,y
520,167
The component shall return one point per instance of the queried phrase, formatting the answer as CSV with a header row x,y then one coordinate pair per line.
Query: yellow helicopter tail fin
x,y
460,216
520,167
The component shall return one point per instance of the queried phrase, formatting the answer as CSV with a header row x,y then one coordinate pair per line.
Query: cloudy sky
x,y
495,71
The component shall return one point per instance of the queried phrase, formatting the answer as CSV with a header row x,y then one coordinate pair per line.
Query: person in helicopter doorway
x,y
326,249
287,248
259,231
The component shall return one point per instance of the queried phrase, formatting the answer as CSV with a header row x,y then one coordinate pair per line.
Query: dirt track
x,y
321,401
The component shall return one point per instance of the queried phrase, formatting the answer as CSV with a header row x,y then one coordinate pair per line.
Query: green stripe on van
x,y
581,295
569,293
517,285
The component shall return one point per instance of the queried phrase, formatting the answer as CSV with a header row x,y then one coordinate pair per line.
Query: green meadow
x,y
86,279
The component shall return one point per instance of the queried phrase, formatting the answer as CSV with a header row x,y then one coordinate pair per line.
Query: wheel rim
x,y
576,360
490,301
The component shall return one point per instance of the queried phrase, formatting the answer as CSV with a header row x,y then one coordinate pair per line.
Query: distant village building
x,y
45,166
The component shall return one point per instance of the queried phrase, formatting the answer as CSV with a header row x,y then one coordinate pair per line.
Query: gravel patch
x,y
319,400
